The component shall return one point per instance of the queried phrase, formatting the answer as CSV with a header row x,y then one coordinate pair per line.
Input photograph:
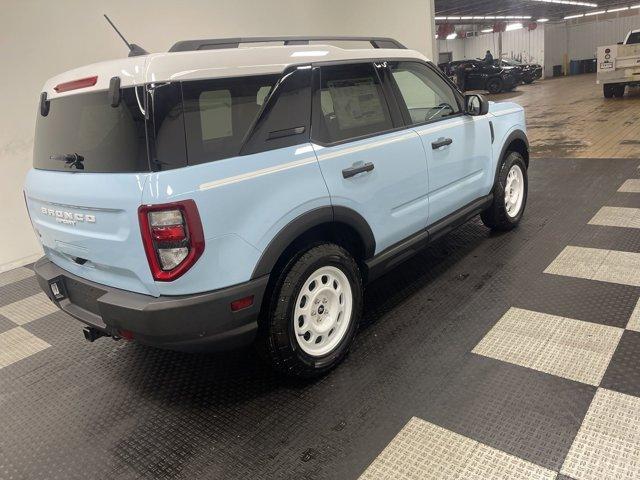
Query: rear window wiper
x,y
71,160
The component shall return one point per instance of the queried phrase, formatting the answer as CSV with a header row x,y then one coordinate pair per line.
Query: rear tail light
x,y
172,236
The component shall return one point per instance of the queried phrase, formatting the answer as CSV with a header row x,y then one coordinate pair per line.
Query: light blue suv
x,y
232,190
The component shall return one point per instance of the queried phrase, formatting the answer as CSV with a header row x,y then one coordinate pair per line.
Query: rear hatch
x,y
90,167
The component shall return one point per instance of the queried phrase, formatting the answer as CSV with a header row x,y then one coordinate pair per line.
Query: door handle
x,y
355,170
441,142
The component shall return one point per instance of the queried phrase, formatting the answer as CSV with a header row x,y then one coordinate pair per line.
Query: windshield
x,y
633,38
86,127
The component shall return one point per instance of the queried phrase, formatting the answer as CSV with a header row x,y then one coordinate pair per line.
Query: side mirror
x,y
476,105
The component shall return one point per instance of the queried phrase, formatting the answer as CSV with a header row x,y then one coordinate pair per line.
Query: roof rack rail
x,y
221,43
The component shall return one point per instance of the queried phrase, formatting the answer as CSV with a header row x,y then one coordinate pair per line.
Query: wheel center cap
x,y
321,309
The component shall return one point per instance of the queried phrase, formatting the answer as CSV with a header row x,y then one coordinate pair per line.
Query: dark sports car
x,y
529,71
482,76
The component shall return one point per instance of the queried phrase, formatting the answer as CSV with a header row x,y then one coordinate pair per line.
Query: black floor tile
x,y
18,290
623,374
526,413
598,302
6,324
609,238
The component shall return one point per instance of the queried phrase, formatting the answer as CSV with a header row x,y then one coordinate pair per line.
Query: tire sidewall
x,y
285,310
498,85
513,158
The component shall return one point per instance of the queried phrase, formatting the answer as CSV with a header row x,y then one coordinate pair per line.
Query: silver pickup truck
x,y
619,65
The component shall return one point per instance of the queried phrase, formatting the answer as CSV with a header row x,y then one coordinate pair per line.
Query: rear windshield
x,y
187,123
86,126
634,38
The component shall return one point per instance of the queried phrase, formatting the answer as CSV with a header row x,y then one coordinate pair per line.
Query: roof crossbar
x,y
220,43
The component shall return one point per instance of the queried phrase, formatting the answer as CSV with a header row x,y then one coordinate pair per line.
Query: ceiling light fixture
x,y
452,36
595,13
542,20
488,17
569,17
612,10
513,26
569,2
487,30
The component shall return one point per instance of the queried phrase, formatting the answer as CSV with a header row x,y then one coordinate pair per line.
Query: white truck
x,y
619,65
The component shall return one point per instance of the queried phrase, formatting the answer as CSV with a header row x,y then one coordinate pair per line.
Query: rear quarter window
x,y
219,113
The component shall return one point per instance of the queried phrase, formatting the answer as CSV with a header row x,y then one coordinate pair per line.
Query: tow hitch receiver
x,y
92,334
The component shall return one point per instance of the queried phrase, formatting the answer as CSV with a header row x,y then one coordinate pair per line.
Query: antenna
x,y
134,50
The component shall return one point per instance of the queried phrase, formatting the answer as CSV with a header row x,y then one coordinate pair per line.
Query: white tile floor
x,y
424,451
598,264
608,443
559,346
617,217
634,321
15,275
630,186
16,344
29,309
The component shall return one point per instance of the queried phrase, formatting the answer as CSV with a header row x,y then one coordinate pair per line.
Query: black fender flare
x,y
515,135
306,222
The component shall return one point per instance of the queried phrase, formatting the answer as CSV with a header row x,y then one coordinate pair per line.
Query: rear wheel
x,y
613,90
618,91
314,312
494,85
528,79
509,195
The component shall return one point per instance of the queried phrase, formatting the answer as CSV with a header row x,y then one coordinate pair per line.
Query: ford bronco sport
x,y
230,191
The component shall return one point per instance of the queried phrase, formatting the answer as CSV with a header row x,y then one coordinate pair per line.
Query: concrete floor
x,y
569,117
487,356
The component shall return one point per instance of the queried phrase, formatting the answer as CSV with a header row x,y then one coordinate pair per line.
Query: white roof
x,y
231,62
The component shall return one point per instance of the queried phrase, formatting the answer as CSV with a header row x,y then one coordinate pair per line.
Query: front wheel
x,y
494,85
509,195
314,312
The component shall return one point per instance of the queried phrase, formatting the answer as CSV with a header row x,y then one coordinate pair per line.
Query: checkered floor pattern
x,y
511,356
16,341
607,444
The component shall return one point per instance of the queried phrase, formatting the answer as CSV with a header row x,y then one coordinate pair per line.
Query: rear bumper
x,y
199,322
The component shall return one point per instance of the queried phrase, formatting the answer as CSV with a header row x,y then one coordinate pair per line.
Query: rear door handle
x,y
355,170
441,142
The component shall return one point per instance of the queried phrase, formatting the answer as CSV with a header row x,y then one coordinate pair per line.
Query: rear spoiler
x,y
221,43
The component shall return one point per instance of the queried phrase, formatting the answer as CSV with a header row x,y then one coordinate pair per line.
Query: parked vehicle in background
x,y
218,195
619,65
483,76
529,72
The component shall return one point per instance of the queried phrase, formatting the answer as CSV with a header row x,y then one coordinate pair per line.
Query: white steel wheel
x,y
514,191
323,311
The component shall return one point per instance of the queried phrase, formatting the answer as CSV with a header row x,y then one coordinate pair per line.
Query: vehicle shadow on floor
x,y
242,374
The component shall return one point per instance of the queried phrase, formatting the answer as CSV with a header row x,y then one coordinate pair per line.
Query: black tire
x,y
608,90
495,216
529,80
277,337
618,91
494,85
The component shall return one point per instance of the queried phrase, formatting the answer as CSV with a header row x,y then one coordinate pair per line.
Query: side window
x,y
285,120
349,103
218,114
427,96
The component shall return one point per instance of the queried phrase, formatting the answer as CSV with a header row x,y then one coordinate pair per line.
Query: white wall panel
x,y
580,40
42,38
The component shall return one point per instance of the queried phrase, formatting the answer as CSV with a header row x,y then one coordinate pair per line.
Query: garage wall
x,y
521,44
580,39
41,39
